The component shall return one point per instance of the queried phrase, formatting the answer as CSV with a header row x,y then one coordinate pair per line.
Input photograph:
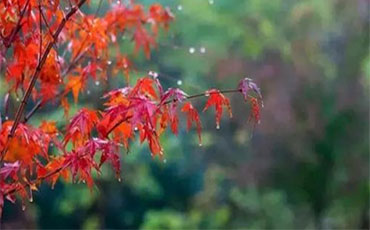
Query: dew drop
x,y
109,62
191,50
218,126
179,82
119,179
6,118
67,8
17,99
118,2
211,2
136,129
23,207
200,144
202,50
31,199
179,7
97,83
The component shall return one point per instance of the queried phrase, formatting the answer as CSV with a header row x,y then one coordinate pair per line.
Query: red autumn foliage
x,y
36,39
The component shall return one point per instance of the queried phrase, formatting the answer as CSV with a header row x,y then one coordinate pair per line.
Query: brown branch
x,y
17,28
36,74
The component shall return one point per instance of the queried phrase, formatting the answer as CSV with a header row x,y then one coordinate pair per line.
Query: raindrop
x,y
97,83
153,74
202,50
136,129
118,2
119,179
179,82
218,126
109,62
200,144
17,99
191,50
23,207
211,2
179,7
31,199
67,8
6,118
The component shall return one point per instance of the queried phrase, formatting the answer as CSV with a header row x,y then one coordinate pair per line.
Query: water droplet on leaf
x,y
179,7
202,50
97,83
179,82
191,50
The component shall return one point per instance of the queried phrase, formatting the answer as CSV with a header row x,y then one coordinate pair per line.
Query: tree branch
x,y
36,74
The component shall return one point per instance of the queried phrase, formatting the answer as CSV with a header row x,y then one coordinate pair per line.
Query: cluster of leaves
x,y
33,33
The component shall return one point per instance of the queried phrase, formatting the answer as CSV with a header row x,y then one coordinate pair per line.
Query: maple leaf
x,y
79,129
124,64
76,84
144,86
218,100
175,96
255,114
49,127
64,103
247,84
192,116
9,170
143,40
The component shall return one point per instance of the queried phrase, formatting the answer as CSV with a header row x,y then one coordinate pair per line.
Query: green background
x,y
305,166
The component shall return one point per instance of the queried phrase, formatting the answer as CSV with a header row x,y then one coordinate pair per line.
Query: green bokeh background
x,y
305,166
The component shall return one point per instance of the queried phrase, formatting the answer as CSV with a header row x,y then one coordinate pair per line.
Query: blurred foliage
x,y
305,166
